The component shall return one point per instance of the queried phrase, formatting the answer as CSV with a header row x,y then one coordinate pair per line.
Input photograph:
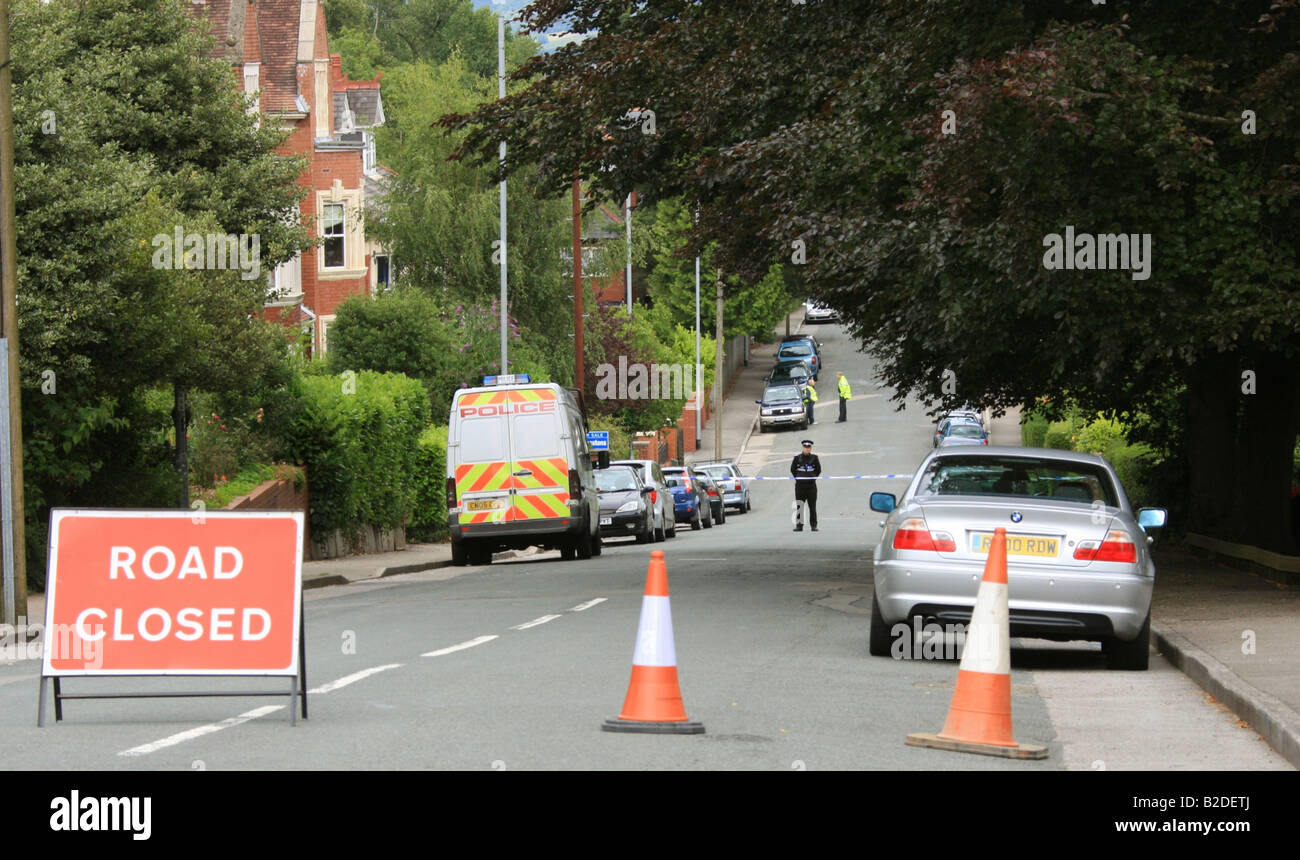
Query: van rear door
x,y
483,467
539,468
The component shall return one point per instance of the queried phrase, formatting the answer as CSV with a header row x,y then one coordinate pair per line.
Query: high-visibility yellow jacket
x,y
845,391
810,393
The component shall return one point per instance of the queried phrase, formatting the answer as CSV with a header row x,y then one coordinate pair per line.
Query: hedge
x,y
429,516
357,435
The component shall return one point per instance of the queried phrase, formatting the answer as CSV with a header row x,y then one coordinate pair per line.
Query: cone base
x,y
933,741
681,727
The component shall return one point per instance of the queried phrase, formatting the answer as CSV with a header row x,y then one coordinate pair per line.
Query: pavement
x,y
1233,632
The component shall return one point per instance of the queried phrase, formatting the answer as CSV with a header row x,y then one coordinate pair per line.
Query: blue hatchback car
x,y
690,503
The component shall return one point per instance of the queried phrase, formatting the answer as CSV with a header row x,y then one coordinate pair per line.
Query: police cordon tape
x,y
819,478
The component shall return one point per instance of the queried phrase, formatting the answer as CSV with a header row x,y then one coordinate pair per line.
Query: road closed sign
x,y
173,592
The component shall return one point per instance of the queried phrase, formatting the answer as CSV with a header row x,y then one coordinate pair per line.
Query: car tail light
x,y
736,486
711,490
654,496
1117,546
914,533
451,492
575,485
687,483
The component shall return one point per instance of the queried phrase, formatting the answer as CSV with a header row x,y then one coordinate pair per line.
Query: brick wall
x,y
278,495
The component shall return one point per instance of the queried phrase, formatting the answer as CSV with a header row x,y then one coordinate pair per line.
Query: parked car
x,y
653,477
804,338
795,371
817,313
625,506
714,494
690,499
734,486
955,432
781,406
802,351
1078,560
965,413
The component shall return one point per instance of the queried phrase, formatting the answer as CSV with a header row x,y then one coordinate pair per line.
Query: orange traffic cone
x,y
979,719
654,701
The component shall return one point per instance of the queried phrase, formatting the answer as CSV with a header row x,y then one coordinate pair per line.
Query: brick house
x,y
278,51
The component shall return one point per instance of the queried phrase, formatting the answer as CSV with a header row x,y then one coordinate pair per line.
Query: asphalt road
x,y
515,665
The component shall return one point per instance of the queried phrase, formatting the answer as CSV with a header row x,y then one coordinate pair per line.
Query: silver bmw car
x,y
1078,558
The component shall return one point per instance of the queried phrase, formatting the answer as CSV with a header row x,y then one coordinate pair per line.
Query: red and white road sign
x,y
173,592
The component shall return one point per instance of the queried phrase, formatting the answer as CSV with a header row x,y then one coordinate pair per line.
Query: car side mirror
x,y
759,402
1152,518
883,502
645,491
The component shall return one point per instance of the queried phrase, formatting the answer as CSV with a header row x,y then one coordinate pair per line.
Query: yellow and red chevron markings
x,y
523,395
539,505
550,472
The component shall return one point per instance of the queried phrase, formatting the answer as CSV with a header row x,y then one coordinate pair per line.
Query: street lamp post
x,y
501,94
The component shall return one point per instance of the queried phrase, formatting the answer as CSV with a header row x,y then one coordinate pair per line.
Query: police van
x,y
519,472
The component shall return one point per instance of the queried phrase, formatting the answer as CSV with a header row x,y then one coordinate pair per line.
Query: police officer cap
x,y
807,442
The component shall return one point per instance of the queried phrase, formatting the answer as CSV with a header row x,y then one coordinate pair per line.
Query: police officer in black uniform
x,y
806,465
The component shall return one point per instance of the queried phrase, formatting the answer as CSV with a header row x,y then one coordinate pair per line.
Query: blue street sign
x,y
598,440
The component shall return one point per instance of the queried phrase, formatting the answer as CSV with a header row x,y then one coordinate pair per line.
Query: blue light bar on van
x,y
507,379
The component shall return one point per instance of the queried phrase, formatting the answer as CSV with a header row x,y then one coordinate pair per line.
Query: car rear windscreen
x,y
1038,477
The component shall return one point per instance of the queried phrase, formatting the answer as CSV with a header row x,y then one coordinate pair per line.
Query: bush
x,y
1135,464
429,515
1100,436
359,443
1033,430
1060,435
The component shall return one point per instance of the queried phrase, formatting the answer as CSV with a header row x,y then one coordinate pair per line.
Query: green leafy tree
x,y
440,219
125,131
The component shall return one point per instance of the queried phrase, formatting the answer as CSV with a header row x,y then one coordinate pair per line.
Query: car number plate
x,y
485,505
1043,547
606,521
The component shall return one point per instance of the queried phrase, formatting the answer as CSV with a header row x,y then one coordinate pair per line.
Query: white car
x,y
820,314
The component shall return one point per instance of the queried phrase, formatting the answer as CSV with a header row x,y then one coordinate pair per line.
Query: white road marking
x,y
348,679
590,603
461,647
535,622
200,731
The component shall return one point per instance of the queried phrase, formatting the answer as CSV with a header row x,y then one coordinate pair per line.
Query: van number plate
x,y
485,505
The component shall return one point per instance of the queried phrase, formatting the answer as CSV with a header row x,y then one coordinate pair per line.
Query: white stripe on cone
x,y
988,642
654,635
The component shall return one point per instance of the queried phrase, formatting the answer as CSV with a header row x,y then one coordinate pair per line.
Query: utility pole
x,y
699,368
13,569
627,220
501,94
717,378
579,374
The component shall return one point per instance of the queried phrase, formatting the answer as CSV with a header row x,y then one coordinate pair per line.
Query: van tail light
x,y
1117,546
654,496
451,492
575,484
914,533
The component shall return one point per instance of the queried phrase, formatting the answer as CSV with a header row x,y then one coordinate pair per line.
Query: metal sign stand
x,y
297,686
